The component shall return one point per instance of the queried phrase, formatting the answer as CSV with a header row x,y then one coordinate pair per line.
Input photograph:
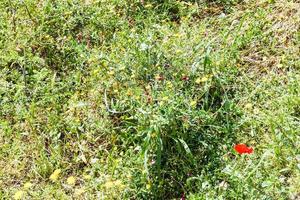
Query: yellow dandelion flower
x,y
248,106
109,184
118,183
122,187
193,103
178,35
71,180
169,84
27,185
149,5
153,135
19,195
165,98
148,186
87,177
79,192
54,176
96,71
178,51
104,64
202,80
137,97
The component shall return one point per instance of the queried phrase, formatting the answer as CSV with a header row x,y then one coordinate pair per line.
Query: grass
x,y
146,99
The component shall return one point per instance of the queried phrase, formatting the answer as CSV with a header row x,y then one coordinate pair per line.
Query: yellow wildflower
x,y
109,184
165,98
193,103
153,135
79,192
118,182
54,176
27,185
169,84
248,106
178,35
148,186
137,97
96,71
178,51
71,180
87,177
19,194
201,80
104,64
149,5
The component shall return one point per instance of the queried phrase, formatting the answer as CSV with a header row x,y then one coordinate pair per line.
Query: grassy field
x,y
133,99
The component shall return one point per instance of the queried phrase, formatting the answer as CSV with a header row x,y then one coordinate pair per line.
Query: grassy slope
x,y
192,83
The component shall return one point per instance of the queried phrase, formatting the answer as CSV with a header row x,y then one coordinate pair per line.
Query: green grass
x,y
146,99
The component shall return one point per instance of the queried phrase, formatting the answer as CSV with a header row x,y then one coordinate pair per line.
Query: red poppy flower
x,y
242,148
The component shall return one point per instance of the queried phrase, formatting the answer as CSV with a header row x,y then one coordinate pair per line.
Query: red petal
x,y
242,148
249,150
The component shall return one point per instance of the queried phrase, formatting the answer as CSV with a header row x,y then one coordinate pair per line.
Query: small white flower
x,y
94,160
222,15
144,47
